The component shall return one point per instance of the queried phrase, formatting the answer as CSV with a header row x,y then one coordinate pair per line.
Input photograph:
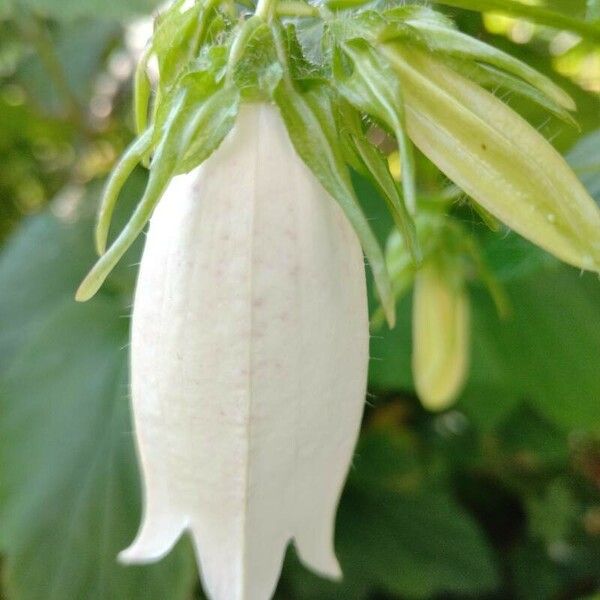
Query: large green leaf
x,y
81,48
69,497
44,263
549,350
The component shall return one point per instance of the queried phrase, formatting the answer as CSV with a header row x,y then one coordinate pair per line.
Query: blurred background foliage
x,y
496,498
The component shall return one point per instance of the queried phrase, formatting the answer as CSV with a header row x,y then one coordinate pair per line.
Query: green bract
x,y
336,71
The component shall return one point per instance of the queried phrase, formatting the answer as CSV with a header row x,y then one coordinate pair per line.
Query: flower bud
x,y
441,316
497,158
249,356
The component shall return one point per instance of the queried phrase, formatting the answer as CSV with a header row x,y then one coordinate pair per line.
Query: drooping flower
x,y
248,362
250,334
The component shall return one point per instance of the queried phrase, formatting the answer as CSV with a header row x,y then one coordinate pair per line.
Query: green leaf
x,y
69,497
534,573
527,432
593,10
311,124
547,351
64,231
80,50
552,517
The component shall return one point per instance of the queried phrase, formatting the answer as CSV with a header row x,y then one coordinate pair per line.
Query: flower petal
x,y
249,362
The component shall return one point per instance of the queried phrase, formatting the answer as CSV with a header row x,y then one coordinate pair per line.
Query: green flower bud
x,y
441,316
495,156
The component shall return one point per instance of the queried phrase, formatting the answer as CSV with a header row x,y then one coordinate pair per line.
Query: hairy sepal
x,y
501,84
196,122
370,162
443,37
372,87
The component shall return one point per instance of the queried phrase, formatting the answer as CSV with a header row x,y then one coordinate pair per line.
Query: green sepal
x,y
346,4
446,241
412,12
177,39
257,71
373,87
365,25
306,65
402,270
142,92
441,36
496,81
134,155
370,162
172,42
197,122
163,168
202,79
208,126
311,124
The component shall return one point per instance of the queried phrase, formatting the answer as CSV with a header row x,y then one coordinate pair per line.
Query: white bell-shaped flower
x,y
249,363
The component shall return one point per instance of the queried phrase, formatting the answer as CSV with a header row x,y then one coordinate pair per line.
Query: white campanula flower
x,y
248,362
250,329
